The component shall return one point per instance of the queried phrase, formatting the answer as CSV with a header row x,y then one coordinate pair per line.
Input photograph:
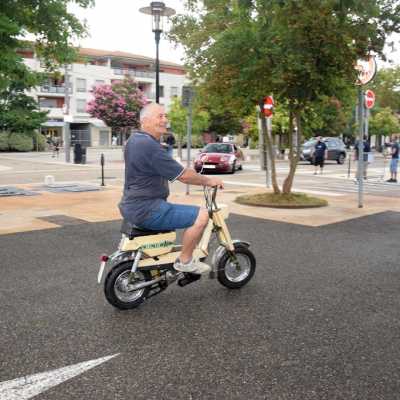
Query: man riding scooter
x,y
148,168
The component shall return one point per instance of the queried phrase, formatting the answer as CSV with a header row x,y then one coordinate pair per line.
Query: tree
x,y
386,86
118,105
384,123
53,28
178,119
297,50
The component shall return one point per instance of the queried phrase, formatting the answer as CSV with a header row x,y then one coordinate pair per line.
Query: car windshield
x,y
218,148
309,143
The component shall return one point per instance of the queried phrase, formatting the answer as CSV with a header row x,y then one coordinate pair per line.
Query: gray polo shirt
x,y
148,168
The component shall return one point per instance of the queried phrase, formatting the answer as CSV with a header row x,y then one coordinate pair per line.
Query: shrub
x,y
20,142
4,141
39,142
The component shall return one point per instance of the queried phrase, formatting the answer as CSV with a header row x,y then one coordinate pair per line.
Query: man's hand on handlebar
x,y
215,182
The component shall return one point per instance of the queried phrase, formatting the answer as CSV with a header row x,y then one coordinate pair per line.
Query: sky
x,y
118,25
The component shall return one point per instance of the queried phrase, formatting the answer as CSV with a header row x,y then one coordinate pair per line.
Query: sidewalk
x,y
21,214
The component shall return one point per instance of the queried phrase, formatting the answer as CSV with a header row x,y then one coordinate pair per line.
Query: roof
x,y
122,54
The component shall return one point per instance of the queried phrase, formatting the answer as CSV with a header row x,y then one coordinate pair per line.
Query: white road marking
x,y
295,190
31,385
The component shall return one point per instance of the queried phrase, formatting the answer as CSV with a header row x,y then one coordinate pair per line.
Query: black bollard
x,y
102,169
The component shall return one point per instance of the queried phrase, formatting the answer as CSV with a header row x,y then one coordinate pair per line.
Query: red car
x,y
219,157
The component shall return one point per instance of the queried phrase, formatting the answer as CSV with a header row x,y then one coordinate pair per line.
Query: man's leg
x,y
191,236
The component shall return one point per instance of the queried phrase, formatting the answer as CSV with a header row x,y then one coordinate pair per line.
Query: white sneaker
x,y
194,267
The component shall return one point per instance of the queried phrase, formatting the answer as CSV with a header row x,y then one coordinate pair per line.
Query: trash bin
x,y
78,153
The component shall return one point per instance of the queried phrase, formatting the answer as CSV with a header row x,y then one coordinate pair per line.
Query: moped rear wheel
x,y
116,287
234,271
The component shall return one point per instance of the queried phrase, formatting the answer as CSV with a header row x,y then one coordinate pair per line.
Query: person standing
x,y
319,155
395,150
366,150
170,141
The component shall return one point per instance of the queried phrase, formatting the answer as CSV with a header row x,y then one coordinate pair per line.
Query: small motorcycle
x,y
143,264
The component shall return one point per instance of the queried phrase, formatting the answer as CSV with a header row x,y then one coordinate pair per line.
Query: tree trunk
x,y
294,151
271,155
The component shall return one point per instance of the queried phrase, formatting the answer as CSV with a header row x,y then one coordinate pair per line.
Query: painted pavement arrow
x,y
31,385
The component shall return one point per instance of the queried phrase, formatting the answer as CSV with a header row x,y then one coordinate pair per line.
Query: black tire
x,y
341,159
114,298
240,167
243,252
233,168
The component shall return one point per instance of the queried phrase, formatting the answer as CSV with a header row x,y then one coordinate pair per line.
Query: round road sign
x,y
367,70
369,99
268,106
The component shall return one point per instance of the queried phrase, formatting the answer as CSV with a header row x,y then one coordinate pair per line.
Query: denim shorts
x,y
393,165
169,217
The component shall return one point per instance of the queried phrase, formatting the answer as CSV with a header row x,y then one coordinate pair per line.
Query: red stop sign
x,y
268,106
369,98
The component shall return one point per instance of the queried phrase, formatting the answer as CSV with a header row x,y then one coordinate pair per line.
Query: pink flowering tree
x,y
118,105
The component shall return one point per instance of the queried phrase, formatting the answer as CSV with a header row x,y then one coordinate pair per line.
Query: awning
x,y
53,123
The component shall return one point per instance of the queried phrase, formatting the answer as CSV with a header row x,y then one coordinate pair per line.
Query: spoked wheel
x,y
117,288
234,271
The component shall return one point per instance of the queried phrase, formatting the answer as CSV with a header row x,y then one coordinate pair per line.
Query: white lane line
x,y
31,385
295,189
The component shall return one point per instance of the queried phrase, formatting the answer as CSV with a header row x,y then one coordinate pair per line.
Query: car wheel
x,y
341,158
233,168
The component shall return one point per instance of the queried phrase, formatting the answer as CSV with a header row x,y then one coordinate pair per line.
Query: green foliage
x,y
20,142
384,123
4,141
178,120
19,112
39,142
53,28
386,86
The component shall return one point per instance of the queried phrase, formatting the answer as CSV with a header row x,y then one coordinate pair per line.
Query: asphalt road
x,y
320,319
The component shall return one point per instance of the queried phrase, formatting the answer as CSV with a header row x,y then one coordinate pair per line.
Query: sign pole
x,y
189,139
360,147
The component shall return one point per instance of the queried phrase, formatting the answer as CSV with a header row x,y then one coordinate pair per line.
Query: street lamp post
x,y
158,10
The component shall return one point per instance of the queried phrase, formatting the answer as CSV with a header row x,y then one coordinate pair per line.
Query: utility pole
x,y
67,131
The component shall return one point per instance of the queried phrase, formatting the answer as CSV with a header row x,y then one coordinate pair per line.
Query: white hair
x,y
146,110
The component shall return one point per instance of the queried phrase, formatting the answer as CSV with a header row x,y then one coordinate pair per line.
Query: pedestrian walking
x,y
320,153
56,148
364,164
395,150
170,142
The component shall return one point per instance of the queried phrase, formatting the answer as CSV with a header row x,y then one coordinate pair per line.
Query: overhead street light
x,y
158,10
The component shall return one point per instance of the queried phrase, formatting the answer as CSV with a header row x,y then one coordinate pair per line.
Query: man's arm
x,y
191,177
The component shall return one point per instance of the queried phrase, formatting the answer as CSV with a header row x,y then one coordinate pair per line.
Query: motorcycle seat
x,y
133,231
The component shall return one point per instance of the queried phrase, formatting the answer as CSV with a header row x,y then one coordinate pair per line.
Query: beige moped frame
x,y
158,250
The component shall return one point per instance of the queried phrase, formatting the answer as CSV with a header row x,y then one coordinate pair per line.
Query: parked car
x,y
336,150
219,157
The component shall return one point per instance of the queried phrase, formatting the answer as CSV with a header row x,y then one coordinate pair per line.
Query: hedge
x,y
20,142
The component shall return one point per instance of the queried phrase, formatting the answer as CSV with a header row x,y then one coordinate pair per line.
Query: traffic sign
x,y
366,70
369,98
187,95
268,106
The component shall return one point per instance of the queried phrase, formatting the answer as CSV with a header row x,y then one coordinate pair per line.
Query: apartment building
x,y
97,67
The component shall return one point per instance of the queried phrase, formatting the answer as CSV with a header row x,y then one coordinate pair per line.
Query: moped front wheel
x,y
237,268
117,287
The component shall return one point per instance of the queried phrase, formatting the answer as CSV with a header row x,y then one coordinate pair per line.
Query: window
x,y
161,91
81,85
174,91
98,82
81,106
48,103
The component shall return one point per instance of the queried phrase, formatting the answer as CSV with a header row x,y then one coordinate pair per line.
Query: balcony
x,y
52,89
53,112
135,73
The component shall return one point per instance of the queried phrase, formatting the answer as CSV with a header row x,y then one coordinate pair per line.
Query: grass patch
x,y
291,200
